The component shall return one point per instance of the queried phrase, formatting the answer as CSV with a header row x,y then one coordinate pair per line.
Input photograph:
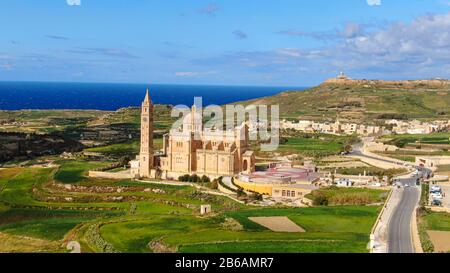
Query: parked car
x,y
436,196
436,202
435,188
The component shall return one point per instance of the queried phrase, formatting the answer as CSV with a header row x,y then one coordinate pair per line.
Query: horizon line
x,y
149,84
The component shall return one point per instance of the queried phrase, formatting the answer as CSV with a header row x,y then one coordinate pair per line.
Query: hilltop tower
x,y
146,157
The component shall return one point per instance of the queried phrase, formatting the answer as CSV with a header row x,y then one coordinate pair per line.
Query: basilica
x,y
192,149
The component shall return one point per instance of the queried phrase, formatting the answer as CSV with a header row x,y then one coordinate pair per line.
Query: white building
x,y
344,183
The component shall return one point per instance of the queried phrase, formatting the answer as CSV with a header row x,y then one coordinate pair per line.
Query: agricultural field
x,y
368,169
443,168
124,149
44,206
437,144
434,230
41,209
46,121
316,145
344,196
403,140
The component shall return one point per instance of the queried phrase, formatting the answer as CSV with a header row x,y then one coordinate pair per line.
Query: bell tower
x,y
146,157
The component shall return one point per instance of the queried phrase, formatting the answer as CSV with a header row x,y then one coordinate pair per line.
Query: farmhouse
x,y
344,183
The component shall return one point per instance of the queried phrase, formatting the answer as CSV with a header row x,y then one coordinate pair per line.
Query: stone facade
x,y
191,149
212,152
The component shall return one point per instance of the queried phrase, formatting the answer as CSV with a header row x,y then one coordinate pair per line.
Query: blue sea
x,y
106,96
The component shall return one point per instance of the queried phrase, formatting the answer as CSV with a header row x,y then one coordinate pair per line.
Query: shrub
x,y
194,178
256,196
184,178
205,179
93,237
320,200
240,193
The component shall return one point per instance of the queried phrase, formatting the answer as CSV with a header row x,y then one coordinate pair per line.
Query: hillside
x,y
360,100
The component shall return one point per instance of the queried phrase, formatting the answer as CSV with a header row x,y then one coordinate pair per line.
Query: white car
x,y
435,188
437,196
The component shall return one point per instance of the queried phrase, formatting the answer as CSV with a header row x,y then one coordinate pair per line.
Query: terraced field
x,y
41,209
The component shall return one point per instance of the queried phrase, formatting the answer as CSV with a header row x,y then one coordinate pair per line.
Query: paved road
x,y
399,229
357,150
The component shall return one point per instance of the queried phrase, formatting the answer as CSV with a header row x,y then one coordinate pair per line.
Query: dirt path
x,y
277,224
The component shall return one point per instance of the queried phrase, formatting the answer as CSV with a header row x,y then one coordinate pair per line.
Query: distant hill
x,y
365,100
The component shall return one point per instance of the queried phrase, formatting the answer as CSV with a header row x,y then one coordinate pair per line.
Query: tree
x,y
124,160
390,177
333,178
348,148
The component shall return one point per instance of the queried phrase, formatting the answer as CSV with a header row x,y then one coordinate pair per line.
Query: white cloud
x,y
73,2
193,73
291,52
374,2
416,49
7,66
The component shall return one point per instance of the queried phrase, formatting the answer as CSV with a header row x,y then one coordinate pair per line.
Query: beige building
x,y
292,191
192,149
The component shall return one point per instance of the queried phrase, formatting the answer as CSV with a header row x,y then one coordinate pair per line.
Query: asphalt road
x,y
399,229
357,151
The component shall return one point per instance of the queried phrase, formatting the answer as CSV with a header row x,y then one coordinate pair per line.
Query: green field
x,y
346,196
75,171
314,145
438,221
331,229
31,206
429,220
123,149
403,140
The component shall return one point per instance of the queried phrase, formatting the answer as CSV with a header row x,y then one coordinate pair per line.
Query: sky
x,y
223,42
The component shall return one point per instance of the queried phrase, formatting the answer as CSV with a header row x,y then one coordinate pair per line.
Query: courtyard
x,y
284,174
